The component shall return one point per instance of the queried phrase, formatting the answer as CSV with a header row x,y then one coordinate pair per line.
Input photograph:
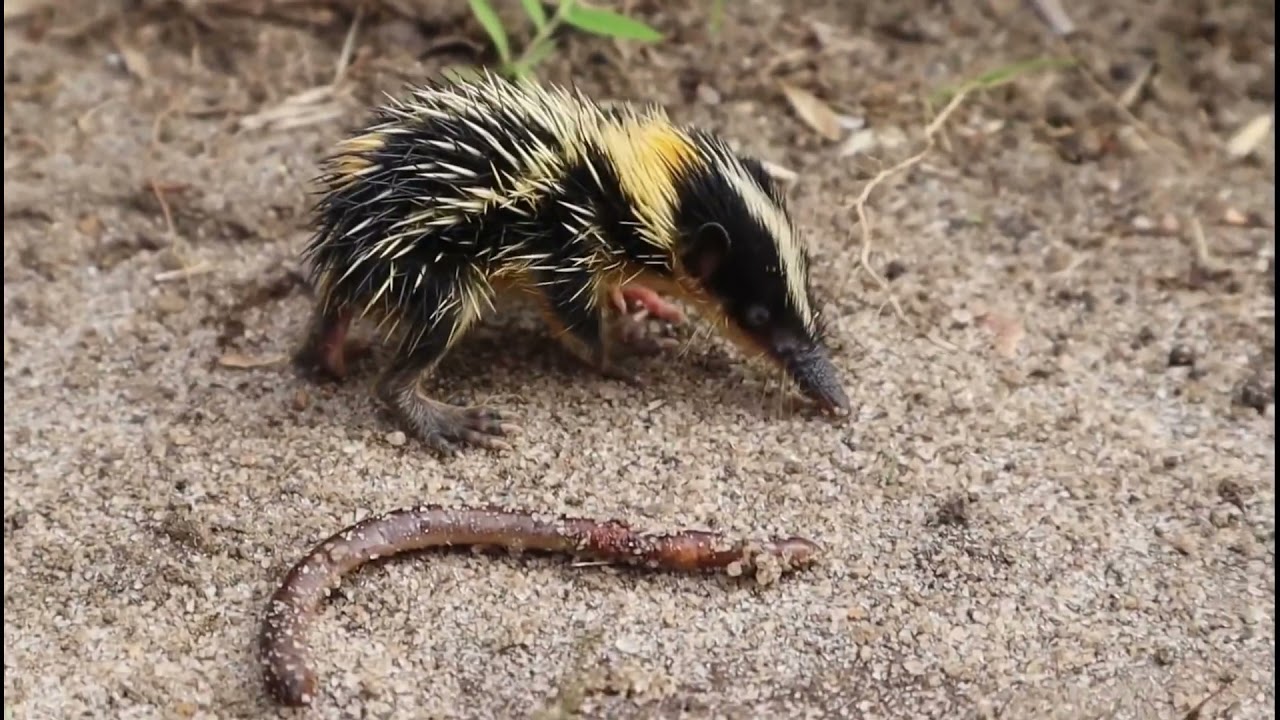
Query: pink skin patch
x,y
335,346
640,297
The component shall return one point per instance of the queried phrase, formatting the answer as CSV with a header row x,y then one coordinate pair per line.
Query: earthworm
x,y
282,644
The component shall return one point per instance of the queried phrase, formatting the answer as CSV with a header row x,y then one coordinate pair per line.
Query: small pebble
x,y
396,438
1184,543
708,95
1146,336
1181,356
1224,516
171,304
1254,393
627,645
1233,216
1058,259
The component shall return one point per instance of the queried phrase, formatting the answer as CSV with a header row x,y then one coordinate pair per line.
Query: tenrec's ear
x,y
705,250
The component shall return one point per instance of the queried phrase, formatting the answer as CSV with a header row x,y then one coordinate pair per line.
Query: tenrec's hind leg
x,y
323,352
440,424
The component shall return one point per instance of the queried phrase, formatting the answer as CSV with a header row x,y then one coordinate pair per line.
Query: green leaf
x,y
533,8
608,22
489,19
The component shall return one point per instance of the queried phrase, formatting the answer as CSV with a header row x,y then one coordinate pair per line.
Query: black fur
x,y
476,242
717,239
738,261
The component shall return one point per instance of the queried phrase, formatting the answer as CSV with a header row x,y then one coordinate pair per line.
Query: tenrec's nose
x,y
817,378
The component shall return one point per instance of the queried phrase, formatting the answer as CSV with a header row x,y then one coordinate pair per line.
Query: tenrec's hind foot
x,y
323,355
320,365
443,426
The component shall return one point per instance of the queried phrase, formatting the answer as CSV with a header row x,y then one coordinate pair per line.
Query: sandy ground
x,y
1053,498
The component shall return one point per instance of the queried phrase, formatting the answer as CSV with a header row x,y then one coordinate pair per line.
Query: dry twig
x,y
158,191
348,45
184,273
860,204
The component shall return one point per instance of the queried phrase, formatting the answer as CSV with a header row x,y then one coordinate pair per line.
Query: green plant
x,y
999,76
717,16
596,21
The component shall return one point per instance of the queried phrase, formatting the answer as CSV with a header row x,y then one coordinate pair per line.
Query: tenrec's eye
x,y
757,316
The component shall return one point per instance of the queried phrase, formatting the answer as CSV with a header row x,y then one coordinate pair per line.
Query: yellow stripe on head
x,y
772,217
647,154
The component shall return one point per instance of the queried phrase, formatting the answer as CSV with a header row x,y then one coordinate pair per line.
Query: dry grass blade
x,y
184,273
860,142
14,9
247,362
1178,154
1054,15
317,13
1248,138
135,61
814,112
780,173
1194,712
348,45
309,107
1204,258
1131,93
158,190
